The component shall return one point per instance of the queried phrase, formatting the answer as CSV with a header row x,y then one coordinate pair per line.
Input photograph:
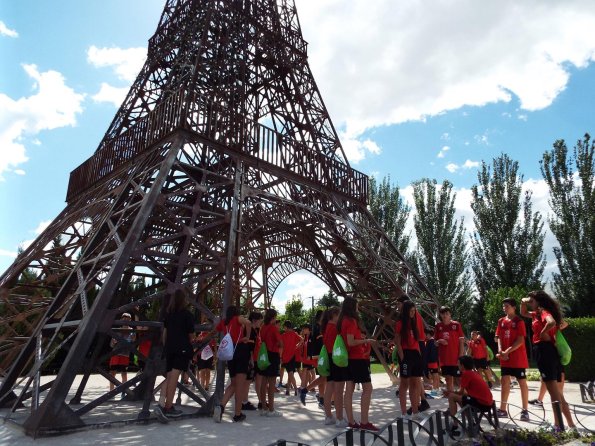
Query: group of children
x,y
421,352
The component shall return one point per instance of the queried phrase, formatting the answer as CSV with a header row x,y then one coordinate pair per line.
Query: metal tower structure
x,y
221,173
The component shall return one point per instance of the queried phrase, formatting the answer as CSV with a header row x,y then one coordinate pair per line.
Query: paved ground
x,y
299,423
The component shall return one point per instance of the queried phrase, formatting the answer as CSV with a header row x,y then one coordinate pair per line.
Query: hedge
x,y
580,335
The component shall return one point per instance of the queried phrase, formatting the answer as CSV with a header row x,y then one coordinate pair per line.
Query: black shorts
x,y
177,362
273,369
119,368
411,365
290,366
241,359
548,361
450,370
518,373
359,370
337,374
202,364
470,401
432,371
481,363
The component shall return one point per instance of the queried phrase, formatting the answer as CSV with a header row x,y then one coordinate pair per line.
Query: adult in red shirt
x,y
239,329
510,337
546,317
358,352
450,340
337,374
270,335
474,392
407,338
288,358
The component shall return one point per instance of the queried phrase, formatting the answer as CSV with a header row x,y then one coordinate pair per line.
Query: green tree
x,y
294,312
572,200
391,212
442,258
507,245
329,299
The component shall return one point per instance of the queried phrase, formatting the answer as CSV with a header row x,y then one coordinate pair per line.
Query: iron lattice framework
x,y
221,173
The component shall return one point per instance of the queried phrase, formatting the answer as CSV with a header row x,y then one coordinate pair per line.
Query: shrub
x,y
580,335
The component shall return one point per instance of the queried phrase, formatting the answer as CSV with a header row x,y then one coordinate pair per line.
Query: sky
x,y
415,89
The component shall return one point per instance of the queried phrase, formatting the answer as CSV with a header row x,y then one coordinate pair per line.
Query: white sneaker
x,y
328,421
341,423
274,414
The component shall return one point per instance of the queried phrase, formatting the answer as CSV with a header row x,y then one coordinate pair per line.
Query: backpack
x,y
323,365
263,357
340,357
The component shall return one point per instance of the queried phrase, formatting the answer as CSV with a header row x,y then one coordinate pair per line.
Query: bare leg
x,y
524,393
403,394
328,396
450,383
348,401
171,381
504,391
270,380
365,401
414,393
556,395
339,398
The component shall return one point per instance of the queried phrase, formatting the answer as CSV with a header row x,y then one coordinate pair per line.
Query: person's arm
x,y
563,325
524,311
398,345
549,324
462,346
520,340
351,341
247,326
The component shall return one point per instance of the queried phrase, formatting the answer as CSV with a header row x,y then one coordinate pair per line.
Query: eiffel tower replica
x,y
221,173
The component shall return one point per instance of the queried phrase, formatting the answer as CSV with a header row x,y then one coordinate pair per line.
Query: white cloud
x,y
443,151
384,62
470,164
482,139
7,253
41,226
6,31
19,171
300,283
53,105
452,167
356,149
113,95
445,136
125,62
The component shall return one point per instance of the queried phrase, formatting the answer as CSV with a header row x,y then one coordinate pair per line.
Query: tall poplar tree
x,y
572,200
442,254
507,245
390,210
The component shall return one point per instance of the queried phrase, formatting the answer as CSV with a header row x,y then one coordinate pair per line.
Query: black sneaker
x,y
303,393
536,402
160,414
239,418
248,406
454,431
259,406
172,412
424,406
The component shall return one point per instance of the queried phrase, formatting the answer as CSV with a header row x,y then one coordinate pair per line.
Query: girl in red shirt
x,y
546,318
407,337
358,350
337,374
270,335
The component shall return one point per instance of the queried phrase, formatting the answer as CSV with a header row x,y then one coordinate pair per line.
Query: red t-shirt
x,y
409,343
508,331
349,326
330,333
537,324
476,387
269,334
236,330
290,341
451,332
478,349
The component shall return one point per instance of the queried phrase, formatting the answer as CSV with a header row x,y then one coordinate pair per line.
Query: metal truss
x,y
221,173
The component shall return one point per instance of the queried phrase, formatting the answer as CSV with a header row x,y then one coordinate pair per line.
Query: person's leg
x,y
414,384
524,393
271,392
453,400
229,392
258,380
403,394
172,379
504,391
542,390
555,395
348,401
112,386
328,396
241,388
339,398
281,373
366,398
450,386
124,377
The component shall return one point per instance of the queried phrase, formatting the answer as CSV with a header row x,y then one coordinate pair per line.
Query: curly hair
x,y
548,303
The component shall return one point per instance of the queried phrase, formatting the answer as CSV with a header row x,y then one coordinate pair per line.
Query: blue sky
x,y
416,89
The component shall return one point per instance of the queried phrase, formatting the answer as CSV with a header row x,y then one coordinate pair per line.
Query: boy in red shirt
x,y
450,341
288,358
479,353
474,391
510,336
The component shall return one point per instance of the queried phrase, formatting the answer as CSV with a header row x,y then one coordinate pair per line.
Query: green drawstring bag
x,y
490,353
340,357
263,357
323,365
563,348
